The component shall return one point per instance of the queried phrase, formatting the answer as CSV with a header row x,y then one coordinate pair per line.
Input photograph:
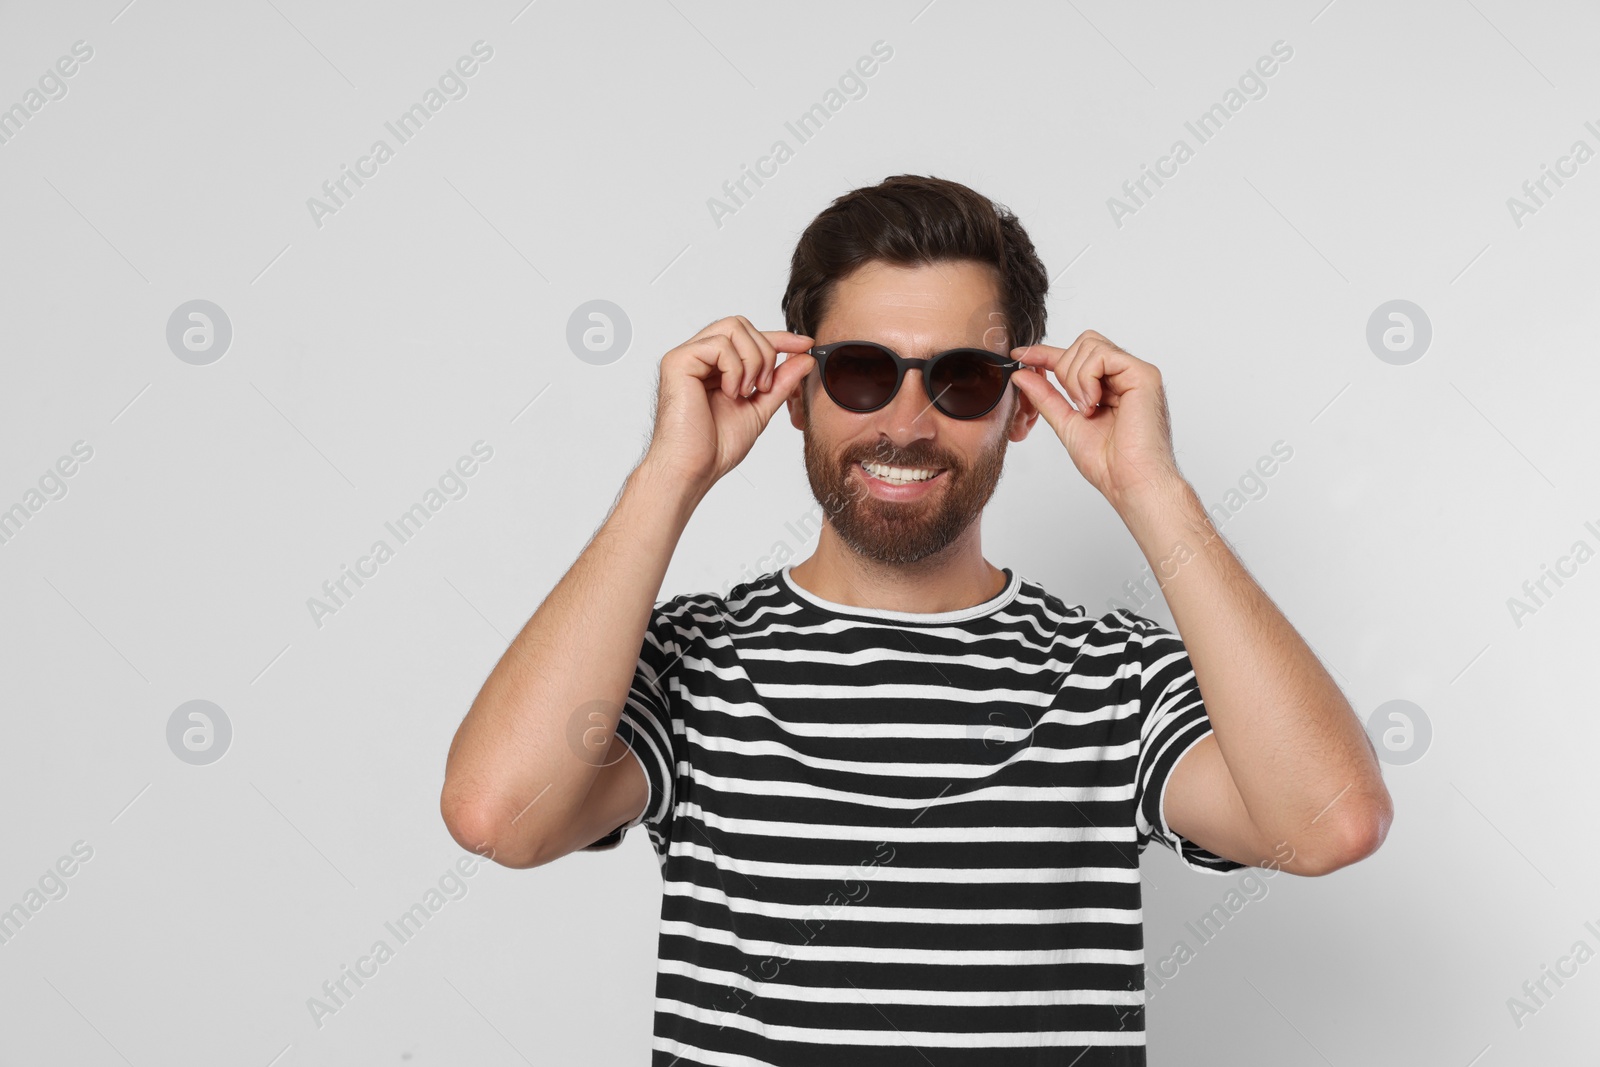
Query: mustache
x,y
913,458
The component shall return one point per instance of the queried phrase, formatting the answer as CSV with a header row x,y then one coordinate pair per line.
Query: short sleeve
x,y
1172,720
645,727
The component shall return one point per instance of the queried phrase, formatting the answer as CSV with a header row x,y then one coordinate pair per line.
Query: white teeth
x,y
898,475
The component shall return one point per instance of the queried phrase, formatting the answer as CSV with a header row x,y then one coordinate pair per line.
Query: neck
x,y
956,577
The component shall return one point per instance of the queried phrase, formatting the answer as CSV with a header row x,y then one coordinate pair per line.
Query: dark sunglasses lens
x,y
967,385
859,377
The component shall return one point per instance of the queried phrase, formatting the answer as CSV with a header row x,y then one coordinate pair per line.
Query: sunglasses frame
x,y
904,363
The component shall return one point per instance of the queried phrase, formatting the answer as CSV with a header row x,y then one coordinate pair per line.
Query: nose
x,y
909,416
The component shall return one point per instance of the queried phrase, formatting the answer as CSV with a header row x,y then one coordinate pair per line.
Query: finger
x,y
1082,349
1086,371
749,356
791,343
785,378
736,327
1040,357
723,326
784,341
1048,399
1057,361
711,354
1084,388
769,354
1108,373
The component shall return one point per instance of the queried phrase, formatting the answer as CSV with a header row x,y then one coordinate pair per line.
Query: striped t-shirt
x,y
892,838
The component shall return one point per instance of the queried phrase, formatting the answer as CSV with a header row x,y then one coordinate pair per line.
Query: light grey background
x,y
431,312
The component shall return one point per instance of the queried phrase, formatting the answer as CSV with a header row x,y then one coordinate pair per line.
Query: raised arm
x,y
1289,765
515,789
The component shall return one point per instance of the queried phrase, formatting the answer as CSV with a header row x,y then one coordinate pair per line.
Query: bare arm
x,y
513,780
517,788
1289,762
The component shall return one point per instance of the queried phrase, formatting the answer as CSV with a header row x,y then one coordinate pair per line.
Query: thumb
x,y
1052,404
790,374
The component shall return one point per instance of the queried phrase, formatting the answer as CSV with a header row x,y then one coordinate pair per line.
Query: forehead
x,y
925,307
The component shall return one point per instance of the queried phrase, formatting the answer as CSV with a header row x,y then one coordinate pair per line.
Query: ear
x,y
1023,414
797,403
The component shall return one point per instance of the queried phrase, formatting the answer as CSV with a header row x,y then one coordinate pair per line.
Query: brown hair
x,y
910,220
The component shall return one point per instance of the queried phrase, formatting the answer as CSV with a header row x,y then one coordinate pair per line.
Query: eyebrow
x,y
904,350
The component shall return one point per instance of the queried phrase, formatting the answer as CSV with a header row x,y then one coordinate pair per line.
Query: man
x,y
899,794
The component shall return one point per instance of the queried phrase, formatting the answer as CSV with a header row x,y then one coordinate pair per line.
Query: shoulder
x,y
1116,635
1124,621
1116,622
1033,598
686,617
685,605
709,609
748,594
1142,639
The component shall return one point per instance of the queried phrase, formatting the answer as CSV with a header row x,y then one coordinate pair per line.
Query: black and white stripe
x,y
891,838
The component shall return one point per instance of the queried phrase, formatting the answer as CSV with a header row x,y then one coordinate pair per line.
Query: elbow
x,y
478,828
1358,836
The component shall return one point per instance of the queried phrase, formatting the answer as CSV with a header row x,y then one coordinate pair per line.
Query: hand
x,y
718,390
1120,438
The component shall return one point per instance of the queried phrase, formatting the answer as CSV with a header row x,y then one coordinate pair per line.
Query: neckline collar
x,y
926,618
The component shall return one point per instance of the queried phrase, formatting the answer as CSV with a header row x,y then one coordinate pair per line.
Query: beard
x,y
900,532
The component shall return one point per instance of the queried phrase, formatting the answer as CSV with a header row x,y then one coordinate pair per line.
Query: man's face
x,y
917,311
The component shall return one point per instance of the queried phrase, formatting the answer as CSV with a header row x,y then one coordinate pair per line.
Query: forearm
x,y
513,770
1294,747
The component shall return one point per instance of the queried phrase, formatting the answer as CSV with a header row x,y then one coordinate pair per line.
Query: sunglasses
x,y
863,376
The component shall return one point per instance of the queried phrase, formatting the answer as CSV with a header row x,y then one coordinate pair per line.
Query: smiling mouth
x,y
891,475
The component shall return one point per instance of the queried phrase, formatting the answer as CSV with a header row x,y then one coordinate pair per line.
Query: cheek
x,y
984,448
979,439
